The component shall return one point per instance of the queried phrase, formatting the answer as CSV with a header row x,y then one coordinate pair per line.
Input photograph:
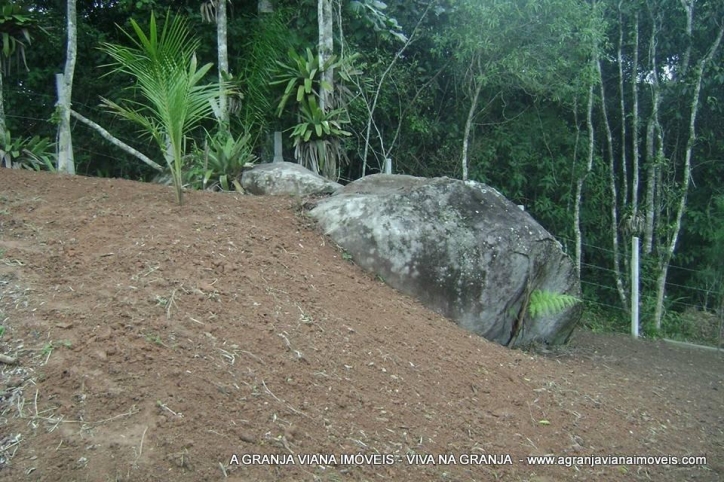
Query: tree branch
x,y
115,141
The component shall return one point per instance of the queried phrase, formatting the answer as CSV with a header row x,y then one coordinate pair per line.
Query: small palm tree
x,y
168,78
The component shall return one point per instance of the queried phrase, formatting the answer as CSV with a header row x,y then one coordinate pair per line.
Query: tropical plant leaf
x,y
34,153
546,303
222,161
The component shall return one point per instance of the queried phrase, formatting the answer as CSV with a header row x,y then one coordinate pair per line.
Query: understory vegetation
x,y
602,118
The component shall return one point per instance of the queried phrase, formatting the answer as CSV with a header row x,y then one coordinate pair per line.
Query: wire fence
x,y
599,287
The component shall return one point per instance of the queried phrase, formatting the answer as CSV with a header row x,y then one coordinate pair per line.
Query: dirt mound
x,y
157,342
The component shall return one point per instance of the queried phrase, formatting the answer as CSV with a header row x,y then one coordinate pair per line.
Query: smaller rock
x,y
286,178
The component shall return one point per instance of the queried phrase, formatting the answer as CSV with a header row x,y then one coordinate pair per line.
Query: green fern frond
x,y
545,303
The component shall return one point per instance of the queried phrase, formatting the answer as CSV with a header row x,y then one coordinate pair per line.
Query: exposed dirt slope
x,y
155,342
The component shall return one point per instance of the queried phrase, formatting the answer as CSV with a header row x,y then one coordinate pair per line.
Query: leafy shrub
x,y
600,320
218,166
318,132
35,153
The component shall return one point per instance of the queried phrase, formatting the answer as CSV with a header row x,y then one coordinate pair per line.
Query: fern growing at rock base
x,y
545,303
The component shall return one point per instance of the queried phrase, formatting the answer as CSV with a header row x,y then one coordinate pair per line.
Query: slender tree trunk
x,y
65,92
623,146
622,95
652,150
326,49
635,126
614,193
339,29
171,155
581,179
325,21
666,257
689,9
469,126
3,127
223,54
660,293
650,186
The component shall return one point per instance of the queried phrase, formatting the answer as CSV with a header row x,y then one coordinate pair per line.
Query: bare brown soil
x,y
156,342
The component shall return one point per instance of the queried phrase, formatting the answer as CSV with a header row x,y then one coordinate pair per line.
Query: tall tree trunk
x,y
223,58
650,183
622,95
622,142
3,127
689,8
653,135
614,193
65,91
580,181
635,127
667,255
469,124
326,48
325,21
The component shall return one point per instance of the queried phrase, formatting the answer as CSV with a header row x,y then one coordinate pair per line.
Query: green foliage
x,y
316,122
219,165
530,160
317,133
267,40
300,74
168,77
601,321
546,303
487,42
712,275
15,24
691,326
35,153
317,138
373,11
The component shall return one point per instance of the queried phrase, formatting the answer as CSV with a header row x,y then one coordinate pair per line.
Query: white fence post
x,y
278,156
635,287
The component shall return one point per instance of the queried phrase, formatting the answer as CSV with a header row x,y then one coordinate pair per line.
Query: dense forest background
x,y
603,118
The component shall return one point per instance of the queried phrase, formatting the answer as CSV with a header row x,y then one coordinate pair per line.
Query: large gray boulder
x,y
460,247
285,178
